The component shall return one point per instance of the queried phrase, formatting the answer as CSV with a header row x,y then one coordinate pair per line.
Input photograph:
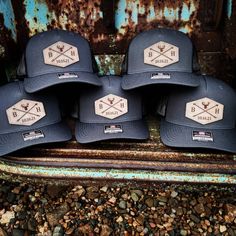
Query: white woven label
x,y
111,106
25,112
161,54
32,135
60,54
204,111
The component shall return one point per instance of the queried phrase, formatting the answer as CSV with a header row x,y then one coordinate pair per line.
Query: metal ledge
x,y
119,162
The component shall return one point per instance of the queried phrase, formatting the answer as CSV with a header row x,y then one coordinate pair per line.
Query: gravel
x,y
154,210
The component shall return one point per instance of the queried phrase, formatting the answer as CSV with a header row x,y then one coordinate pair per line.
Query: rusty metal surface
x,y
121,161
109,25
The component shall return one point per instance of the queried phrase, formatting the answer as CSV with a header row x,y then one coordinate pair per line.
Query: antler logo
x,y
111,106
60,54
161,54
205,104
161,47
25,106
204,111
111,100
60,47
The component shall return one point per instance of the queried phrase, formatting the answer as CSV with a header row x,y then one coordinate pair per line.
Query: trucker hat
x,y
108,112
56,57
202,117
28,119
159,56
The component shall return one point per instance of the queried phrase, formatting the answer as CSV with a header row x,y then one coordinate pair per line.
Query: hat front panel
x,y
168,50
57,51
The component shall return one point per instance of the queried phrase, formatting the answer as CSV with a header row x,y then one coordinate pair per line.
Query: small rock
x,y
223,228
199,208
137,191
149,202
104,189
194,218
179,211
18,232
106,230
7,216
140,219
119,219
134,196
230,209
173,194
2,232
58,231
112,200
16,190
54,191
57,214
152,225
84,229
92,192
122,204
183,232
97,230
162,199
80,192
125,196
69,231
140,228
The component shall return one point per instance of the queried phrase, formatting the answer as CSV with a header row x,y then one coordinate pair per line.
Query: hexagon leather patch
x,y
25,112
111,106
60,54
161,54
204,111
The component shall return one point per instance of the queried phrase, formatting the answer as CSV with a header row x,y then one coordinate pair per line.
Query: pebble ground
x,y
154,210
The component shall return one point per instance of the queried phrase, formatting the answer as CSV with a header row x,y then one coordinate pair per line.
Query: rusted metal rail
x,y
120,162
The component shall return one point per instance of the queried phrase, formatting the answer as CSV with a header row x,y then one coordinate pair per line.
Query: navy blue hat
x,y
202,117
160,56
108,112
28,119
56,57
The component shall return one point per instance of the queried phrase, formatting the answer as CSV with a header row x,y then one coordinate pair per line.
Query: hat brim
x,y
37,83
90,132
11,142
132,81
181,136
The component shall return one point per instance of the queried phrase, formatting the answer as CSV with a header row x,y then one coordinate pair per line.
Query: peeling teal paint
x,y
229,8
38,10
9,17
171,14
187,11
122,16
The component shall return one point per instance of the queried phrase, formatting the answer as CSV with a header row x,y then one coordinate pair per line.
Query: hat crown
x,y
118,105
170,50
57,51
